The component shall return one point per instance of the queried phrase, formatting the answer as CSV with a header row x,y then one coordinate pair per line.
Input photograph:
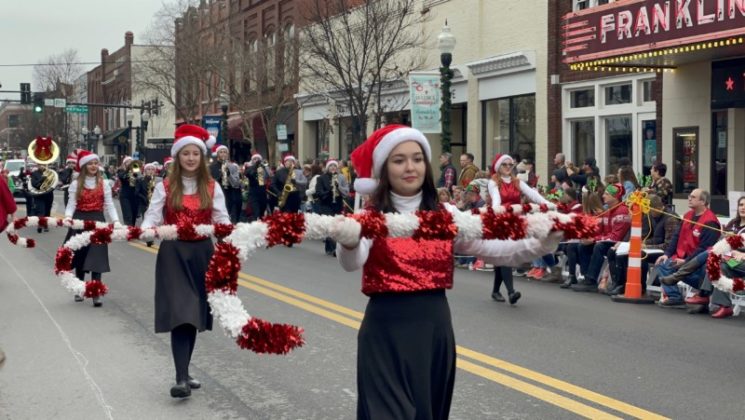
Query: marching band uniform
x,y
406,346
257,175
90,204
292,203
42,202
43,151
181,306
127,192
145,186
227,174
66,175
331,188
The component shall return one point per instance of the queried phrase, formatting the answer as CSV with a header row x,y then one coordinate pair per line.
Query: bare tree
x,y
352,49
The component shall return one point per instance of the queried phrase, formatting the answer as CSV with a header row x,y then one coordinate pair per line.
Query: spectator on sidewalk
x,y
661,186
447,171
689,241
468,170
627,178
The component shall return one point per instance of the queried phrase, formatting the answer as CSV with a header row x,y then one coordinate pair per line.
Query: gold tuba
x,y
135,168
47,185
288,187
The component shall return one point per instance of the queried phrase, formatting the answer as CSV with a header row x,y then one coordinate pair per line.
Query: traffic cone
x,y
633,289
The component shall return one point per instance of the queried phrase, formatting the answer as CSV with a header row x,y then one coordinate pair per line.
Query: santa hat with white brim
x,y
84,157
191,134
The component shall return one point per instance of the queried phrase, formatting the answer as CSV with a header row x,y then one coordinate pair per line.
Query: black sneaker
x,y
193,383
514,297
497,297
585,286
180,390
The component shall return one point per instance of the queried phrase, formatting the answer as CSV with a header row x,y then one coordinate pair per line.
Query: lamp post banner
x,y
212,124
424,92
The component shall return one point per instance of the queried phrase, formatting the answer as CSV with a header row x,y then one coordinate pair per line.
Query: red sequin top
x,y
407,265
91,199
509,192
190,214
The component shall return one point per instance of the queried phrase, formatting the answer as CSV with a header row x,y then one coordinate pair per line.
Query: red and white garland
x,y
714,261
236,243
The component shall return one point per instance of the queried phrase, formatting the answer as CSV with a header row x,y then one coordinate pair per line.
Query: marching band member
x,y
188,195
331,189
90,198
257,175
285,185
43,151
128,175
406,345
227,174
166,168
68,174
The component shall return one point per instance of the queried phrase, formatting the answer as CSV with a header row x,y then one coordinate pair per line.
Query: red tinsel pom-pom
x,y
738,284
13,238
527,208
713,268
89,225
507,225
43,222
543,208
101,236
285,228
63,260
735,241
372,223
95,288
223,269
582,226
30,243
223,230
133,232
187,232
60,222
435,225
20,223
261,336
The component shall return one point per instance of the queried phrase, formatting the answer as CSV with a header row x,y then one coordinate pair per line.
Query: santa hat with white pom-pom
x,y
191,134
369,157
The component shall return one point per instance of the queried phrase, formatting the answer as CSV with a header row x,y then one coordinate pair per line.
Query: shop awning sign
x,y
636,26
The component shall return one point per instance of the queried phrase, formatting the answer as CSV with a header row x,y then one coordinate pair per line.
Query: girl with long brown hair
x,y
189,195
89,197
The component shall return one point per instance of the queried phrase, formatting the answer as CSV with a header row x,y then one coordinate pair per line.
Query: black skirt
x,y
406,357
93,258
180,296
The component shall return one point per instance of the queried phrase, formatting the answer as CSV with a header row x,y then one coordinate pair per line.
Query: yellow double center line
x,y
466,357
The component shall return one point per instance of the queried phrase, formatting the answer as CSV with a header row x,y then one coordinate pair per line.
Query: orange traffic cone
x,y
633,289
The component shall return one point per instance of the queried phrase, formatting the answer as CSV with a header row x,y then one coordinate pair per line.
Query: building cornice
x,y
505,63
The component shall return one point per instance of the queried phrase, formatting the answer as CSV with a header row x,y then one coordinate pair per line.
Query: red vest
x,y
690,234
406,265
509,192
91,199
190,212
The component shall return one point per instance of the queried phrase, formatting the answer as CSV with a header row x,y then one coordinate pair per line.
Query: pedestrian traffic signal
x,y
38,103
25,93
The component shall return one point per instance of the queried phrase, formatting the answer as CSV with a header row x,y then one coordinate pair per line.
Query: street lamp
x,y
446,45
224,124
144,118
90,138
130,116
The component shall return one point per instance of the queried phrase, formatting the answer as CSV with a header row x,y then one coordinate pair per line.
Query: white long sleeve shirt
x,y
496,198
90,184
501,252
154,214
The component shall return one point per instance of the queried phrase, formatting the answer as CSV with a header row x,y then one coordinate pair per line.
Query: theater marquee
x,y
640,26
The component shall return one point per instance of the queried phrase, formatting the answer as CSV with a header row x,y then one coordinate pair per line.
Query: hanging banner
x,y
212,124
424,92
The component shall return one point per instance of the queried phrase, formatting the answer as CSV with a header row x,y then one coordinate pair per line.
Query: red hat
x,y
257,156
216,148
191,134
369,157
289,157
616,190
497,162
84,157
72,157
331,162
167,161
126,160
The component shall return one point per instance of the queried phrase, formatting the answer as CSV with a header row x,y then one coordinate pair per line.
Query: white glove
x,y
346,231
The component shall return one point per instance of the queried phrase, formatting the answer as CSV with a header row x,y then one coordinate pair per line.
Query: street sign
x,y
76,109
60,102
281,132
48,102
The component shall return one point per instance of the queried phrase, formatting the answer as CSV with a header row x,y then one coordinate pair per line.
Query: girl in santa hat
x,y
188,195
89,198
505,189
406,346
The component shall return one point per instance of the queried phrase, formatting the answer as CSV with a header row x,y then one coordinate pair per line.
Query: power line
x,y
78,63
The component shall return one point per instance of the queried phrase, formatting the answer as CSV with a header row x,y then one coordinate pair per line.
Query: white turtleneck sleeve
x,y
154,214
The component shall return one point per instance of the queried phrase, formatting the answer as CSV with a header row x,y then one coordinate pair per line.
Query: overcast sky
x,y
32,30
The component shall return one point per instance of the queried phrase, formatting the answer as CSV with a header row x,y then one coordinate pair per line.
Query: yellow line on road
x,y
340,314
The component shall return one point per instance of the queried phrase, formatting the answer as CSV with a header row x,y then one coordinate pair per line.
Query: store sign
x,y
424,90
728,84
644,25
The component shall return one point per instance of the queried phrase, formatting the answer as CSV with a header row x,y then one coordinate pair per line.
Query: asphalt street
x,y
555,355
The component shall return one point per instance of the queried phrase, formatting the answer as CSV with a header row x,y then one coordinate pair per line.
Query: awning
x,y
116,137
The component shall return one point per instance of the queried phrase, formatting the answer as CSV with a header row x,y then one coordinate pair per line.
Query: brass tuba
x,y
43,150
288,187
47,185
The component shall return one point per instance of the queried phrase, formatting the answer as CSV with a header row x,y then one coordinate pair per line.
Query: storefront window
x,y
509,126
618,137
583,140
583,98
685,152
649,144
719,154
618,94
324,130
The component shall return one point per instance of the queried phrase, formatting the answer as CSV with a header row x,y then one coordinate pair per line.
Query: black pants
x,y
183,339
130,207
80,274
257,201
503,275
618,264
43,204
233,202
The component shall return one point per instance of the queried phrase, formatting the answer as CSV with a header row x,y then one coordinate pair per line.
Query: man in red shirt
x,y
614,226
687,243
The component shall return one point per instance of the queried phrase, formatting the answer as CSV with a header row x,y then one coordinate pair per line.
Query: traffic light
x,y
38,103
25,93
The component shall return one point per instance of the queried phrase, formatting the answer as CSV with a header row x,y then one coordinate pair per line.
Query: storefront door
x,y
647,136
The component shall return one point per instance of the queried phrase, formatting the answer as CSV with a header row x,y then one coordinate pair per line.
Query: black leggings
x,y
183,338
503,275
80,273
